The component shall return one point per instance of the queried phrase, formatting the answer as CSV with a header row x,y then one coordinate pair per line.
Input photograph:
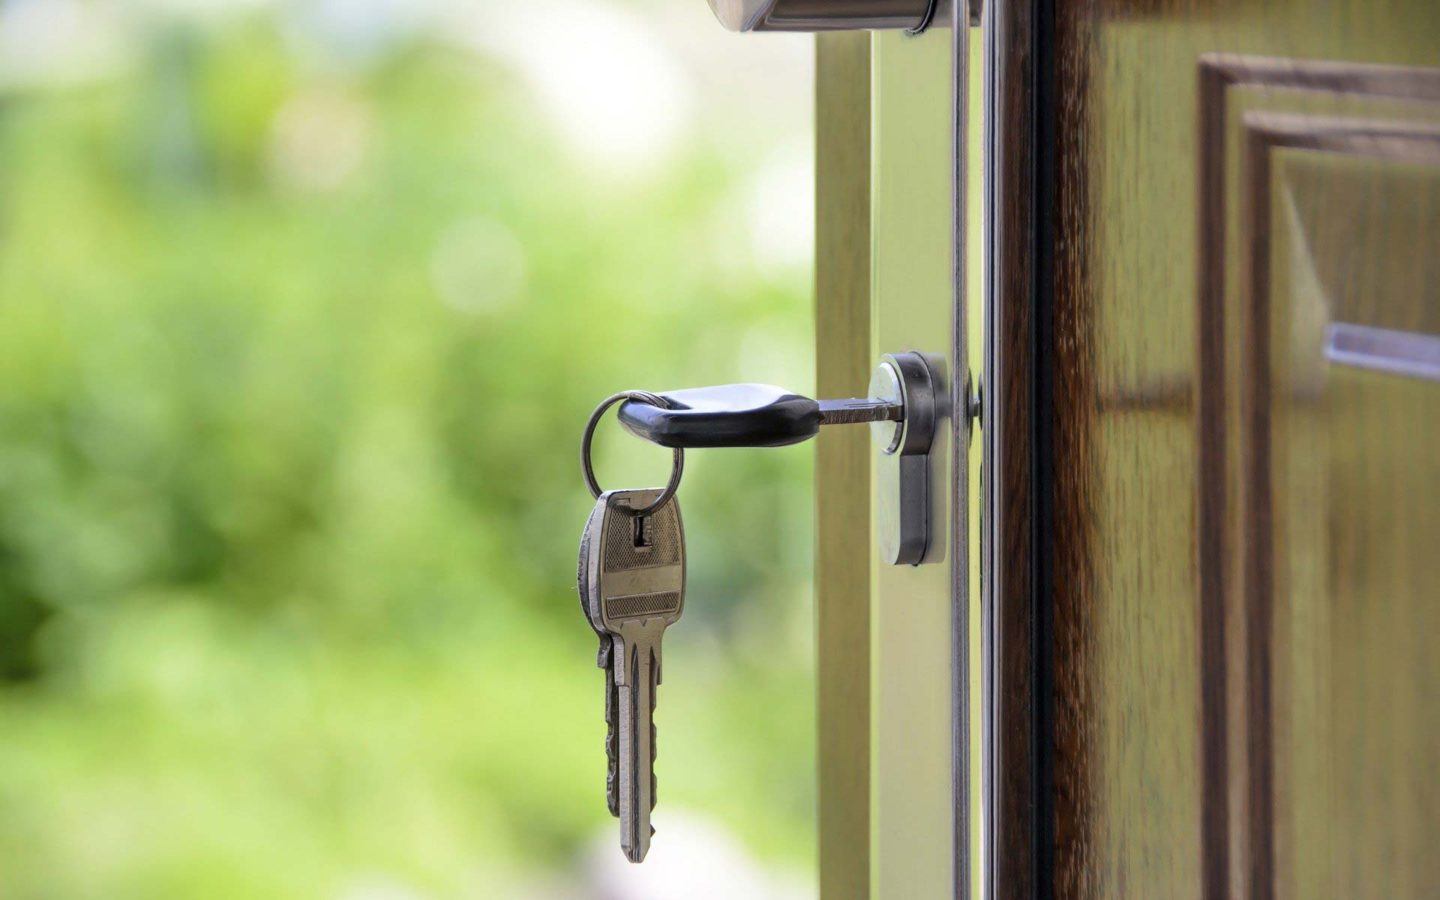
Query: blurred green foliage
x,y
293,359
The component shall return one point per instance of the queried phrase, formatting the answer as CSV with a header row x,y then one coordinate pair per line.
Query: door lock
x,y
907,401
902,472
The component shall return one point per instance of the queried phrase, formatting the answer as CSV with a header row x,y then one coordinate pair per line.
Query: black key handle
x,y
745,415
906,390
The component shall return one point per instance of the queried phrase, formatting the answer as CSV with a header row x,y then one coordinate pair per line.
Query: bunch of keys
x,y
632,554
632,587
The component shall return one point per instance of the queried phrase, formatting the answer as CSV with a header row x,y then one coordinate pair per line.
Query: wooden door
x,y
1213,430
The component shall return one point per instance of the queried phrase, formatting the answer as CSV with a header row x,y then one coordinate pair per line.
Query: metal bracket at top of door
x,y
913,16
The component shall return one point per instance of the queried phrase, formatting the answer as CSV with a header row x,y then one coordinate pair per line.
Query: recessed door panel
x,y
1342,521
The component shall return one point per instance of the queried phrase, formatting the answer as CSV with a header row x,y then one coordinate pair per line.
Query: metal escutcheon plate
x,y
902,472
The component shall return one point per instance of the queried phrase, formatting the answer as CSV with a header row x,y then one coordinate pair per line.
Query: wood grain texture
x,y
1066,452
1334,517
1236,625
842,462
1138,548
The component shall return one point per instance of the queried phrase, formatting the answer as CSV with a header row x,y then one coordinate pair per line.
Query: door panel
x,y
1215,294
1314,207
1341,518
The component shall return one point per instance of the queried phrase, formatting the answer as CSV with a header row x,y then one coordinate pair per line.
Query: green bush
x,y
293,363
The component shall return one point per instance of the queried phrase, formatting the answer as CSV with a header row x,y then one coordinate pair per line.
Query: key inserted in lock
x,y
902,471
904,408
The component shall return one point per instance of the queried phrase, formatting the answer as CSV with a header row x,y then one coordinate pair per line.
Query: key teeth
x,y
612,745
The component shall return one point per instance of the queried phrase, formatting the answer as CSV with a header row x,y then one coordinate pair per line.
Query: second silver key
x,y
638,586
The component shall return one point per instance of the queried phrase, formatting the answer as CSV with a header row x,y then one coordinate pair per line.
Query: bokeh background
x,y
302,307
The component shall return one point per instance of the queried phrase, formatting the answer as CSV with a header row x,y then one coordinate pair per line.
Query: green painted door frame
x,y
894,643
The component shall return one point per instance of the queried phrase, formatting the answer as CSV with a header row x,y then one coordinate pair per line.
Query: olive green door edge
x,y
842,458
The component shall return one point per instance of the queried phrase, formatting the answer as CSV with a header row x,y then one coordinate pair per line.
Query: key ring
x,y
677,468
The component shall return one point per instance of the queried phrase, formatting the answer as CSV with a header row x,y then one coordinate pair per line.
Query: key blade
x,y
637,746
855,411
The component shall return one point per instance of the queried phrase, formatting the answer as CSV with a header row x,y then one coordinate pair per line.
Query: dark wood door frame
x,y
1019,818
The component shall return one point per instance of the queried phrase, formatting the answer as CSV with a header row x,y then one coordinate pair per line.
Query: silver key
x,y
603,658
633,581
